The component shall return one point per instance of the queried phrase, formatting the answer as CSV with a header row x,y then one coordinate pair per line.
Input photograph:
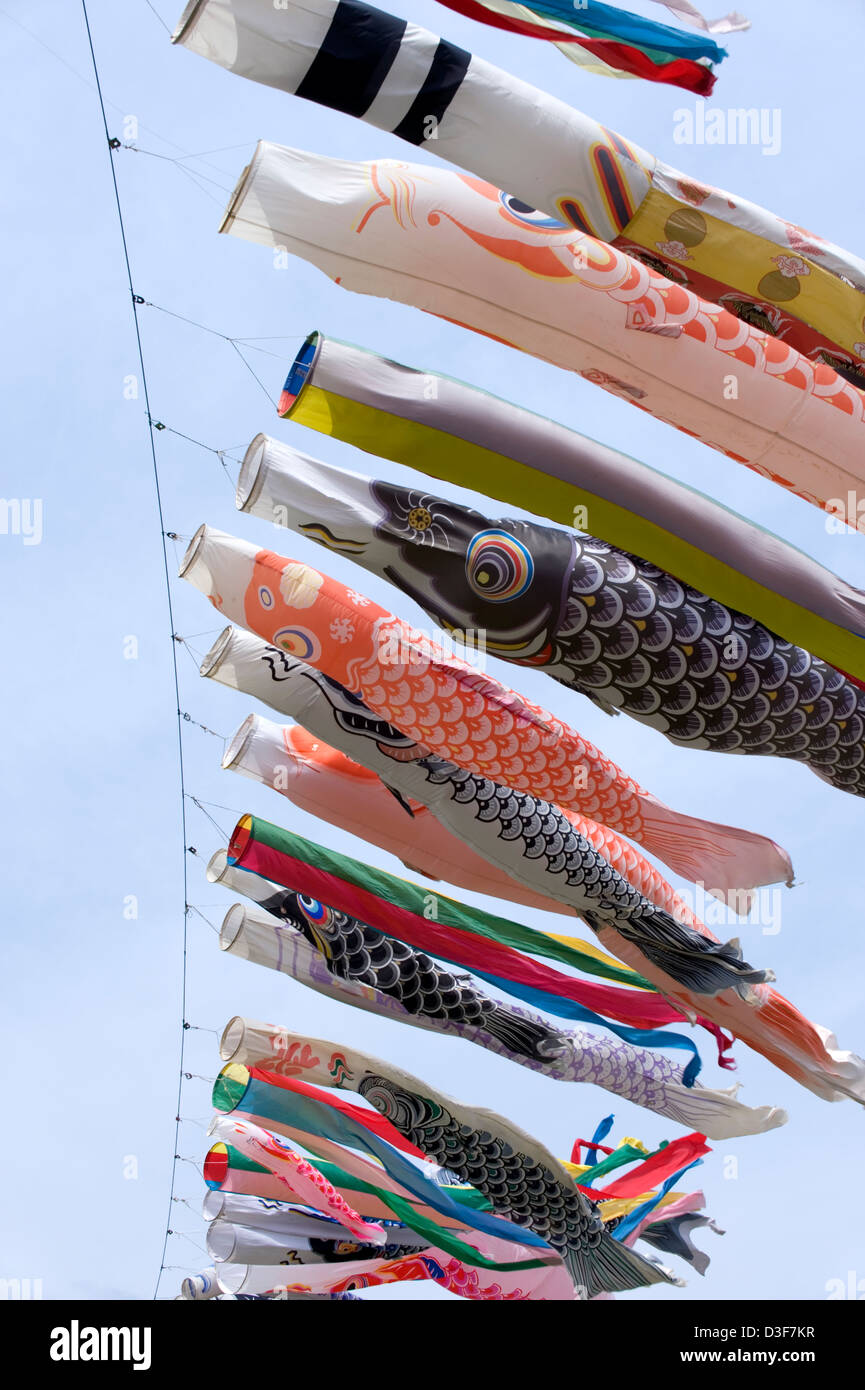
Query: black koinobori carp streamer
x,y
456,433
604,622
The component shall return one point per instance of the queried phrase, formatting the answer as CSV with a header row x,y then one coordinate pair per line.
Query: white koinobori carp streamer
x,y
275,939
360,60
462,714
778,1030
454,246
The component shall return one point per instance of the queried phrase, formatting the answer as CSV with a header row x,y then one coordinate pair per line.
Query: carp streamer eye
x,y
499,568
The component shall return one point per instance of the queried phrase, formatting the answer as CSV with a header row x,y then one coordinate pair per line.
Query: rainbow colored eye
x,y
314,911
499,568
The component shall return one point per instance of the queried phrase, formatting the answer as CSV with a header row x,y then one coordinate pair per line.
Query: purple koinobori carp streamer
x,y
457,711
626,634
357,965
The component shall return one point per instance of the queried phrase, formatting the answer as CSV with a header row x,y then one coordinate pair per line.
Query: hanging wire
x,y
226,834
182,776
158,16
178,160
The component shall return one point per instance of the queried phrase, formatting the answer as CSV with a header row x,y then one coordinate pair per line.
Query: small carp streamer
x,y
457,711
776,1029
519,1178
251,1238
248,1235
558,165
397,1186
450,430
603,622
465,251
360,966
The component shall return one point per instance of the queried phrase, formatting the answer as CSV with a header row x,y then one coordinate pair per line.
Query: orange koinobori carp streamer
x,y
459,713
331,715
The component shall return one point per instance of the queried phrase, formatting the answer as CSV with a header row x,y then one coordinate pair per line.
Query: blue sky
x,y
91,999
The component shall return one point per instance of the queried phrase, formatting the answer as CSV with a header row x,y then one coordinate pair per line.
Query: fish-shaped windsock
x,y
330,784
453,432
608,624
457,711
777,1029
557,164
463,250
337,955
517,1174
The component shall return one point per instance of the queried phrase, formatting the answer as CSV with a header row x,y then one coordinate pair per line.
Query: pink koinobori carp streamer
x,y
457,247
459,713
777,1029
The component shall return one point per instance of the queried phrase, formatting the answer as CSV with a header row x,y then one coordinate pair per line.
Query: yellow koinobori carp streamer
x,y
464,834
602,621
450,430
457,712
460,249
769,272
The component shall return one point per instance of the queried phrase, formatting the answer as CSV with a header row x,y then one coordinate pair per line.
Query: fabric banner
x,y
461,249
716,1113
459,712
428,91
335,1134
614,627
450,430
297,1176
638,1074
482,942
604,39
280,1221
